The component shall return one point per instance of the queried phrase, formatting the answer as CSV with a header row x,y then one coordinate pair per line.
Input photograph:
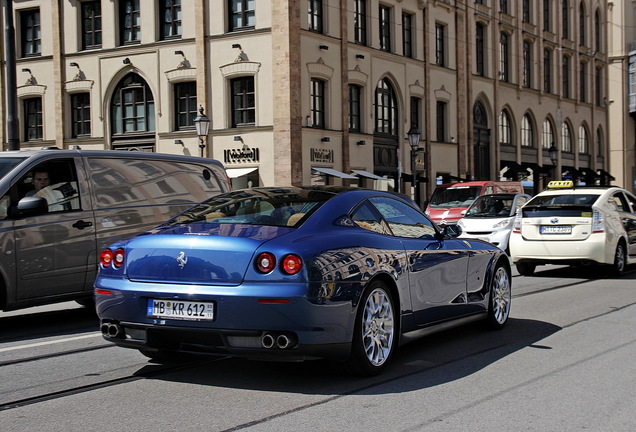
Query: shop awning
x,y
239,172
335,173
367,174
513,168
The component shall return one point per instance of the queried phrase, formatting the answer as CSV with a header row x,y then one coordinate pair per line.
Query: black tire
x,y
375,332
526,269
499,299
620,260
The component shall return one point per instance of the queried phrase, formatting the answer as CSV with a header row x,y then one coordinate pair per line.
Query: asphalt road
x,y
564,362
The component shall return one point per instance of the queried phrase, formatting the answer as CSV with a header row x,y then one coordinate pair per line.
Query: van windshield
x,y
454,197
7,164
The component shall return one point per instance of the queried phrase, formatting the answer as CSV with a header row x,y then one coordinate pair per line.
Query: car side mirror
x,y
30,206
452,231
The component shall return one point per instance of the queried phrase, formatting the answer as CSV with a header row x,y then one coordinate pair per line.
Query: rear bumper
x,y
594,249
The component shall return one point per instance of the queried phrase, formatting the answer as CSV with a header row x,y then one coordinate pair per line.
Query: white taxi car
x,y
575,225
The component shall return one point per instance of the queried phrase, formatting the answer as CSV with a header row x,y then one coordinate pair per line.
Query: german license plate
x,y
555,229
180,309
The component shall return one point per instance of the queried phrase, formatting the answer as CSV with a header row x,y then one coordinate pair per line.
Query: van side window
x,y
56,181
130,182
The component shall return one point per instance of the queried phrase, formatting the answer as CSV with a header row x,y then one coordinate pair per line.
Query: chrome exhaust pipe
x,y
115,330
282,341
268,341
104,328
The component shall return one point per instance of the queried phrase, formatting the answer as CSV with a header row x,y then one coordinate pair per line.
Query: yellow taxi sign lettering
x,y
560,184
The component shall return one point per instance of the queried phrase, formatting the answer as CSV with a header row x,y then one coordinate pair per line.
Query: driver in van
x,y
40,180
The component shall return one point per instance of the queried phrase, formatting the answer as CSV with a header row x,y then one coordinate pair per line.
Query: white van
x,y
58,208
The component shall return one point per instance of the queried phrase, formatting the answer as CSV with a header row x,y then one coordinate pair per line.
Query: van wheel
x,y
525,269
620,257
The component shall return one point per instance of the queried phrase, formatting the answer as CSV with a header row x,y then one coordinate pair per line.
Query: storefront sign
x,y
247,155
321,155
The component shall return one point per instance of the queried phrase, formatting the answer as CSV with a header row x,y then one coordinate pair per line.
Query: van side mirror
x,y
30,206
452,231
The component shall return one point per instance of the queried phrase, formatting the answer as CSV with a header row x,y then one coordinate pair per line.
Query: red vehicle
x,y
450,201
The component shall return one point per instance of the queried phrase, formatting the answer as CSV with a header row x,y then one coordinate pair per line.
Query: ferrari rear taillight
x,y
598,222
108,258
292,264
265,262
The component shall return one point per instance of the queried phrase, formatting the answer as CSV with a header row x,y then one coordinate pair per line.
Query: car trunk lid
x,y
557,223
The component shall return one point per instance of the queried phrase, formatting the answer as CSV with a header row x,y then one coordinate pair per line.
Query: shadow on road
x,y
581,272
428,355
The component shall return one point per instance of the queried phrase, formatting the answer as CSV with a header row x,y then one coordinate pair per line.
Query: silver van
x,y
59,208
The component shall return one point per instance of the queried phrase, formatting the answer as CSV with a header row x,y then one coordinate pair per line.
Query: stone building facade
x,y
324,91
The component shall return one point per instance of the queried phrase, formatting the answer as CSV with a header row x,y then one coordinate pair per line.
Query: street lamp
x,y
202,124
554,154
414,140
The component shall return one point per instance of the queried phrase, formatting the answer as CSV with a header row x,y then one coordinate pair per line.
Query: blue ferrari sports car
x,y
295,273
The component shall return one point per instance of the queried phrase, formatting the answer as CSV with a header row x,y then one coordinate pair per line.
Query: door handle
x,y
80,224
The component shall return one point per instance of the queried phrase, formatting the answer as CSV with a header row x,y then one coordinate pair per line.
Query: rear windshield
x,y
455,196
275,207
575,205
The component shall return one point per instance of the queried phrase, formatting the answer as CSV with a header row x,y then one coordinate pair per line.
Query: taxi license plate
x,y
555,229
179,309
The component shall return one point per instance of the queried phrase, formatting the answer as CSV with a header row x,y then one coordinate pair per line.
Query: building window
x,y
314,11
385,28
91,25
441,121
385,109
503,6
440,44
33,119
599,142
505,132
584,145
133,106
527,135
547,71
566,76
317,98
598,38
242,14
527,64
416,104
407,35
582,83
566,138
185,105
547,135
170,19
526,11
81,114
31,35
582,27
547,15
243,101
129,22
480,48
360,21
598,87
504,52
355,92
565,18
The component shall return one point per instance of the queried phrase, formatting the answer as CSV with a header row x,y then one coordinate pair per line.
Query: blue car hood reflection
x,y
199,253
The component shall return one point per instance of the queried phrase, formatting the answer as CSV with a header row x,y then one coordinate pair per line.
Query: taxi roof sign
x,y
560,184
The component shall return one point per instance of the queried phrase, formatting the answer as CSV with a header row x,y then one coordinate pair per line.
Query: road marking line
x,y
50,343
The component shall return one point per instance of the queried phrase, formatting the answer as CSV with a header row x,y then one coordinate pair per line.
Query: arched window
x,y
527,134
584,145
132,107
566,138
547,136
599,142
385,109
505,133
598,37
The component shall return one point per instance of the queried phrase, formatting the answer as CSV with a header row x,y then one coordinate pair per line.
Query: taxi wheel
x,y
618,268
375,332
525,269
